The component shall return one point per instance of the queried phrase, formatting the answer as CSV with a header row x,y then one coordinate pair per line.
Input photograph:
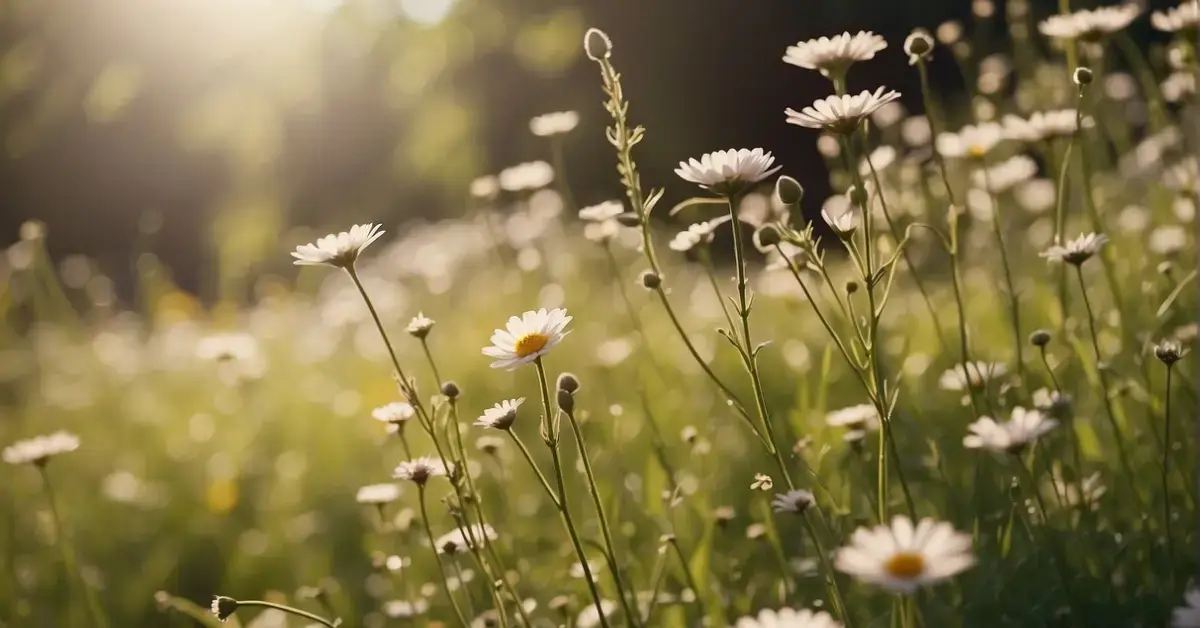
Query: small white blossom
x,y
1076,251
340,250
589,617
420,470
40,449
1185,16
788,618
728,171
699,233
463,539
1005,175
420,325
832,56
1043,125
974,141
527,338
394,413
1188,615
377,494
843,224
485,187
602,212
796,501
762,482
840,114
973,376
900,557
1090,23
1023,427
859,416
500,416
527,177
551,124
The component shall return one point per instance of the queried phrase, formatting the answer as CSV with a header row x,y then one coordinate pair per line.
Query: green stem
x,y
432,364
835,589
701,596
1166,464
379,325
533,465
68,554
1014,305
438,559
1051,542
288,609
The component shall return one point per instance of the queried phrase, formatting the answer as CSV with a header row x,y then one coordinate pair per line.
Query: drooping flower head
x,y
1090,24
900,557
840,114
527,338
1076,251
1023,427
420,470
833,56
728,172
340,250
500,416
40,449
463,539
788,618
223,607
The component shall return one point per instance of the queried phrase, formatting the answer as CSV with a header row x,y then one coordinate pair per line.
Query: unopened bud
x,y
629,219
768,235
566,401
651,280
1039,338
568,383
1083,76
858,196
918,45
451,390
788,190
851,287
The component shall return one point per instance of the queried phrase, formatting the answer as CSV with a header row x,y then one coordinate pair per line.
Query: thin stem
x,y
68,554
1166,464
378,323
560,172
462,584
710,272
701,598
432,364
1014,305
1052,543
533,465
288,609
830,575
438,559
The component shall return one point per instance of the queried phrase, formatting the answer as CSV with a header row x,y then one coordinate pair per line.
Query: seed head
x,y
1039,338
788,190
597,45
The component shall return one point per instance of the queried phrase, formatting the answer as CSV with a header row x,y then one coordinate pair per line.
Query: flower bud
x,y
769,236
1166,268
566,401
1039,338
597,45
568,383
918,45
1168,352
451,390
1083,76
851,287
650,280
788,190
224,607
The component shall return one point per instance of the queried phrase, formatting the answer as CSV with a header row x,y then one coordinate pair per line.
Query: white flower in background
x,y
840,114
1168,240
402,609
1175,19
1090,23
526,177
1043,125
1076,251
463,539
901,557
843,224
796,501
485,187
728,171
551,124
420,325
1023,427
762,482
879,159
340,250
1188,615
395,413
832,56
699,233
228,347
788,618
589,617
863,415
1052,402
419,470
974,141
378,494
1086,493
500,416
527,338
1036,195
601,231
602,212
1182,175
1005,175
490,445
1179,86
40,449
971,376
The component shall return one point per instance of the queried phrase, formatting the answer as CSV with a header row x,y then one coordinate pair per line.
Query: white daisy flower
x,y
420,470
699,233
1052,402
602,212
590,617
901,558
728,171
1023,427
1188,615
1175,19
840,114
551,124
832,56
879,159
971,376
974,141
527,338
395,413
843,224
1090,23
796,501
1076,251
530,176
863,415
1168,239
1087,492
378,494
40,449
1179,86
1005,175
402,609
500,416
420,325
1043,125
601,231
788,618
461,539
340,250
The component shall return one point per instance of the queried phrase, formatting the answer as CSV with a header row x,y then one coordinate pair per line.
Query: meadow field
x,y
957,392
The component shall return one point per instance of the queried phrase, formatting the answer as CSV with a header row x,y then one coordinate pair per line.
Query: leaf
x,y
652,200
1166,305
699,566
695,200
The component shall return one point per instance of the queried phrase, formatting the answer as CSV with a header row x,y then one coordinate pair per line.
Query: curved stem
x,y
533,465
834,589
438,559
378,324
288,609
1013,303
432,364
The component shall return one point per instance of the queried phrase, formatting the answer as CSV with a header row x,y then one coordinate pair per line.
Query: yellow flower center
x,y
976,151
530,344
905,565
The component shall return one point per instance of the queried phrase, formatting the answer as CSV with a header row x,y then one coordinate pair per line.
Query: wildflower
x,y
1076,251
1169,351
1188,615
40,449
1175,19
841,114
1168,240
339,250
396,413
788,190
1005,175
762,482
854,417
530,176
879,160
756,531
766,238
722,515
420,326
486,187
223,607
1052,403
728,171
1179,86
900,558
1039,338
500,416
228,347
378,494
1023,427
527,338
1087,492
843,224
420,470
597,45
650,280
796,501
788,618
697,234
551,124
601,231
461,539
918,46
972,375
590,617
974,141
1089,24
833,56
602,212
399,609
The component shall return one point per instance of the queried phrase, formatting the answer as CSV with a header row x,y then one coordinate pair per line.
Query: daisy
x,y
840,114
788,618
601,231
530,176
1023,427
1076,251
590,616
1043,125
843,224
419,470
500,416
795,502
974,141
551,124
1052,402
1169,351
699,233
420,325
1005,175
1089,23
1087,492
527,338
972,375
1173,20
490,445
340,250
1188,615
40,449
395,413
1179,86
833,56
378,494
228,347
462,538
901,558
602,212
854,417
728,171
879,160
